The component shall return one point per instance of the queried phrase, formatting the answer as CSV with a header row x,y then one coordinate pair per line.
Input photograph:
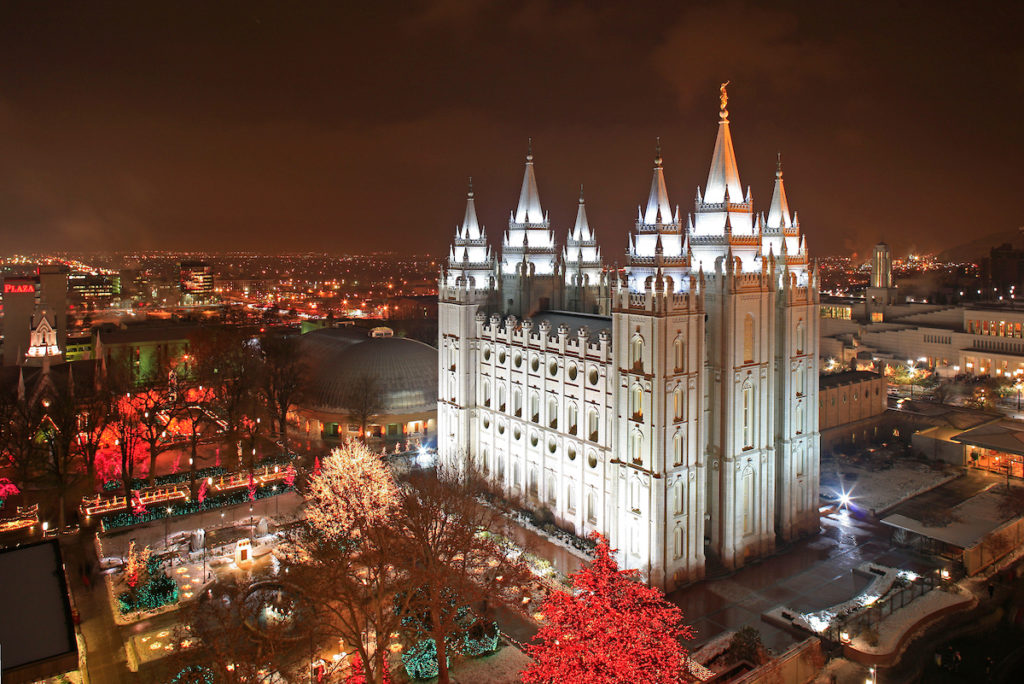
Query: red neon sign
x,y
19,288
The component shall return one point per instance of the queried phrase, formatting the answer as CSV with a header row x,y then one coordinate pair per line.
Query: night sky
x,y
347,127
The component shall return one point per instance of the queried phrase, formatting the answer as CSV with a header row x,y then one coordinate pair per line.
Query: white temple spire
x,y
470,226
724,173
581,230
529,210
659,210
778,212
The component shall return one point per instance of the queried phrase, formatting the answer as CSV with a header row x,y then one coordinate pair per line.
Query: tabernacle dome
x,y
402,371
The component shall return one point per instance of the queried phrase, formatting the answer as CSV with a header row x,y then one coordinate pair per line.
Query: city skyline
x,y
346,131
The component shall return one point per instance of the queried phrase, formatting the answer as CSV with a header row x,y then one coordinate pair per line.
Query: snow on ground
x,y
502,667
882,489
892,628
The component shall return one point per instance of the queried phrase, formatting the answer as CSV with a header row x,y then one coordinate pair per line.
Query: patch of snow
x,y
892,628
878,490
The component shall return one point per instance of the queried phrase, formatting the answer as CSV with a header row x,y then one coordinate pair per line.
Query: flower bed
x,y
169,479
112,521
159,590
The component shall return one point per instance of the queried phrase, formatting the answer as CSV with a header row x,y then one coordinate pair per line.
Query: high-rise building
x,y
196,282
671,407
881,292
35,308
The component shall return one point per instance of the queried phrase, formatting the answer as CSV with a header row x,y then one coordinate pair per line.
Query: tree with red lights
x,y
153,405
93,418
124,428
611,628
193,417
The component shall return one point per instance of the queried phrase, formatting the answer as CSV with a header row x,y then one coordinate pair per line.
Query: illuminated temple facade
x,y
669,405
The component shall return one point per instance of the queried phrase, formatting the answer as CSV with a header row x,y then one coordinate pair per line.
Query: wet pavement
x,y
809,575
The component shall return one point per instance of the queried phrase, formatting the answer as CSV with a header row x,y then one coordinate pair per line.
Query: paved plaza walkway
x,y
809,575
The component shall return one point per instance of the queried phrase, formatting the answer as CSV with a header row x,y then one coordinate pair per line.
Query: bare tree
x,y
19,425
363,400
283,375
94,410
448,562
58,427
224,359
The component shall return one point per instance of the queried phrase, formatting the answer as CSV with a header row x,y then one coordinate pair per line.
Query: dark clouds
x,y
352,126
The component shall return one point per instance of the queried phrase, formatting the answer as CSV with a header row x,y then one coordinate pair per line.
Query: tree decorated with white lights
x,y
343,556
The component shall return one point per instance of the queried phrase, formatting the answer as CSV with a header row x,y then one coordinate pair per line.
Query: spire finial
x,y
778,164
470,193
581,193
657,152
529,149
724,99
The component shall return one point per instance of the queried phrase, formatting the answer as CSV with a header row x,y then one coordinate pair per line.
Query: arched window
x,y
552,490
499,465
677,449
592,506
451,356
592,424
678,542
798,381
571,417
451,388
501,397
636,444
747,492
570,498
534,407
798,419
679,497
636,353
533,483
517,403
801,338
748,339
677,404
636,402
677,350
634,495
487,393
552,413
515,475
748,416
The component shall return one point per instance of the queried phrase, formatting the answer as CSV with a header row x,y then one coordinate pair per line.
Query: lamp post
x,y
167,525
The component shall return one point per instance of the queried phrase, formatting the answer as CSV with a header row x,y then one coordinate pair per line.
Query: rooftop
x,y
846,377
575,321
37,624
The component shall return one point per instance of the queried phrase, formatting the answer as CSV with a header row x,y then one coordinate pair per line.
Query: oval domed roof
x,y
405,370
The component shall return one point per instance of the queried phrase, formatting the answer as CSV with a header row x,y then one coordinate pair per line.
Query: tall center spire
x,y
724,174
529,210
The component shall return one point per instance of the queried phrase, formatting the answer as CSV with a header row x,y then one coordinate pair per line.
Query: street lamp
x,y
167,523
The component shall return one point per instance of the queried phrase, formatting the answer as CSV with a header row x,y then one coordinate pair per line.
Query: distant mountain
x,y
979,247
